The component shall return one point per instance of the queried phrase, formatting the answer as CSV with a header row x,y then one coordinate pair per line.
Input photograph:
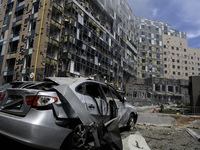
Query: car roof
x,y
65,80
70,80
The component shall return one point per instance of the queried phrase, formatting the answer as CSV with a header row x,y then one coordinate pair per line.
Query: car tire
x,y
131,122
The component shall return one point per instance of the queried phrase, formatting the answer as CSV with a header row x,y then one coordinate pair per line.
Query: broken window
x,y
29,43
35,7
107,93
19,1
9,8
10,63
27,62
5,20
2,35
32,25
170,88
16,30
12,47
157,87
19,13
93,90
115,95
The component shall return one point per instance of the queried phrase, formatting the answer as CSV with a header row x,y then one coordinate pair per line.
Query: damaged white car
x,y
56,112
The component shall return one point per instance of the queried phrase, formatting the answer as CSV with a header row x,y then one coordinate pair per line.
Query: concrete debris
x,y
135,142
195,133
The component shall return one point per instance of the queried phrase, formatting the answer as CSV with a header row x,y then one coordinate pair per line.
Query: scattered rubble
x,y
166,132
195,133
135,142
165,138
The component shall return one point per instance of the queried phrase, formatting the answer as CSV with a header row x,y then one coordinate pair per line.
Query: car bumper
x,y
37,129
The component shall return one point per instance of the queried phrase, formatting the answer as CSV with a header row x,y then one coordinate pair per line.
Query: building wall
x,y
161,90
99,41
68,38
180,61
20,43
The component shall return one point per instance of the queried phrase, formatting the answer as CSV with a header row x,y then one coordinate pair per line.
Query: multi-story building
x,y
41,38
160,90
150,49
180,61
164,52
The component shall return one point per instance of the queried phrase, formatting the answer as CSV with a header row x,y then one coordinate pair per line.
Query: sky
x,y
182,15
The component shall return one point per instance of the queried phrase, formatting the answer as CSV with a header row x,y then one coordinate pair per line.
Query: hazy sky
x,y
182,15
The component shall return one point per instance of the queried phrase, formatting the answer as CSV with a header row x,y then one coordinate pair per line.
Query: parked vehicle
x,y
47,114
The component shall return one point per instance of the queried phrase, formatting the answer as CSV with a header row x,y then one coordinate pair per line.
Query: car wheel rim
x,y
131,123
79,137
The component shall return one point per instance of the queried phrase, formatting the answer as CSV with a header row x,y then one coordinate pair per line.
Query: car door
x,y
121,107
94,100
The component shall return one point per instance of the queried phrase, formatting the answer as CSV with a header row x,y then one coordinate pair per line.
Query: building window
x,y
35,7
170,88
174,73
143,60
179,73
32,25
2,35
186,68
143,67
173,66
186,74
185,50
165,71
172,47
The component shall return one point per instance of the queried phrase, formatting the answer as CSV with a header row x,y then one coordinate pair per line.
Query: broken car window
x,y
81,89
93,90
107,93
115,95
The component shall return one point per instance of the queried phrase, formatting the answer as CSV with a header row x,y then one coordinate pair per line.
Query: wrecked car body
x,y
53,113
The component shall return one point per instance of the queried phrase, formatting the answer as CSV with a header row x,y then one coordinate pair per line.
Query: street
x,y
161,131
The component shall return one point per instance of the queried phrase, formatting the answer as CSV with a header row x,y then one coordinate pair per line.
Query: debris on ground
x,y
195,133
165,138
135,142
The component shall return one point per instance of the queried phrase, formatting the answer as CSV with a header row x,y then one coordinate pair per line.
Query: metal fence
x,y
190,110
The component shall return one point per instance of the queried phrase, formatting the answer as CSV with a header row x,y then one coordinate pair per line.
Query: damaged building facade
x,y
165,63
81,38
151,38
159,90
